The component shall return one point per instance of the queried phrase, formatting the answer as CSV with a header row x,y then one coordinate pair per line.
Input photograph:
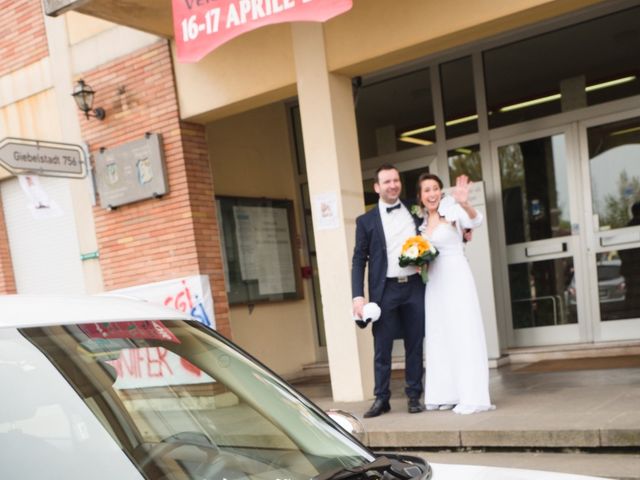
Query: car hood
x,y
473,472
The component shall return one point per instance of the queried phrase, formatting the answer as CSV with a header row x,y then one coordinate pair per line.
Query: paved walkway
x,y
536,408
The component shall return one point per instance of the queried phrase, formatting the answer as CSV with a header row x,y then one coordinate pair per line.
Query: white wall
x,y
45,252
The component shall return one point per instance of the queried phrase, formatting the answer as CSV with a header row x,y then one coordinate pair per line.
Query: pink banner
x,y
200,26
146,329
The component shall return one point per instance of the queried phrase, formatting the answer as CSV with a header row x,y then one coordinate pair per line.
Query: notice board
x,y
260,262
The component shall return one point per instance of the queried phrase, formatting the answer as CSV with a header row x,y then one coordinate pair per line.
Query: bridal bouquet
x,y
418,251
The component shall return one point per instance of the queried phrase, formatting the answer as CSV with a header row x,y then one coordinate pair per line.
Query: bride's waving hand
x,y
461,195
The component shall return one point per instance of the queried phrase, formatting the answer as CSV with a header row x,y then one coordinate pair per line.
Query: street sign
x,y
49,159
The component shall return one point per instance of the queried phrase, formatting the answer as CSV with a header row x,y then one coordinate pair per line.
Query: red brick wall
x,y
7,280
156,239
23,39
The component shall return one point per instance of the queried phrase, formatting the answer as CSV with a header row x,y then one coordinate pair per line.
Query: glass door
x,y
610,151
540,230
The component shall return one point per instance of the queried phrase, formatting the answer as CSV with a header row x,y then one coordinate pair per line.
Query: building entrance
x,y
541,248
568,197
610,169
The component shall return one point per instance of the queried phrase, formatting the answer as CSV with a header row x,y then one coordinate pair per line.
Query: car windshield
x,y
181,403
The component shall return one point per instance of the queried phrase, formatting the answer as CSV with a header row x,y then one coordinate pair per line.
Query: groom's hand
x,y
467,235
358,304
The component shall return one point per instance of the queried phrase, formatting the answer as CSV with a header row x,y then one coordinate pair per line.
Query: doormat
x,y
569,364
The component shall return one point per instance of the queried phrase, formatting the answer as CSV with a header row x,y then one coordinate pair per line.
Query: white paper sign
x,y
154,367
39,203
325,215
191,295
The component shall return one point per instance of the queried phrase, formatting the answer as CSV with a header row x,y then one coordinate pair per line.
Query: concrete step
x,y
519,355
589,404
578,350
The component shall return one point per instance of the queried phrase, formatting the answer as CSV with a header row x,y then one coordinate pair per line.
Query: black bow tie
x,y
390,209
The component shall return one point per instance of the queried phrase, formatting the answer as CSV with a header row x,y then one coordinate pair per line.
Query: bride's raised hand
x,y
461,190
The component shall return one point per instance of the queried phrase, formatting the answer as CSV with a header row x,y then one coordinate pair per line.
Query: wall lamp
x,y
83,95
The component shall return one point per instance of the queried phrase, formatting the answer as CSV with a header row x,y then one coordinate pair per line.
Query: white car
x,y
114,388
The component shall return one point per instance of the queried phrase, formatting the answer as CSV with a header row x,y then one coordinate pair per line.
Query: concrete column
x,y
334,173
81,190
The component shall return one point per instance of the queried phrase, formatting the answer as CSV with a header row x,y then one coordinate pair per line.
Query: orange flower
x,y
419,242
420,252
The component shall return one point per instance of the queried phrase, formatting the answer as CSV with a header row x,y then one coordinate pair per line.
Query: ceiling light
x,y
612,83
529,103
628,130
461,120
417,141
464,151
417,131
558,96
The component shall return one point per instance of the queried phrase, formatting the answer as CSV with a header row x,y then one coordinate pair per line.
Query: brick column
x,y
205,223
156,239
7,279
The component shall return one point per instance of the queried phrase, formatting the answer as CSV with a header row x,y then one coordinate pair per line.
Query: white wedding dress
x,y
457,371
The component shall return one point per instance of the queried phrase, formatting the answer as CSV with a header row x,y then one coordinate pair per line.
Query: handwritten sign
x,y
190,295
155,367
200,26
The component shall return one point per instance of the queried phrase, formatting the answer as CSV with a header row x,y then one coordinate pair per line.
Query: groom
x,y
399,291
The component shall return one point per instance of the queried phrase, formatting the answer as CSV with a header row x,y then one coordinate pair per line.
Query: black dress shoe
x,y
414,405
378,408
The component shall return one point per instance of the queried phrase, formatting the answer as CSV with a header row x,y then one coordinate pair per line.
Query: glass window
x,y
614,168
394,114
313,259
585,64
535,192
458,97
543,293
298,139
618,288
620,292
465,161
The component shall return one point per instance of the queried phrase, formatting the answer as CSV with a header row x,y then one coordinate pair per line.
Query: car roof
x,y
17,311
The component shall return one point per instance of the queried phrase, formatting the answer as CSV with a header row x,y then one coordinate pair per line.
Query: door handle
x,y
627,237
545,249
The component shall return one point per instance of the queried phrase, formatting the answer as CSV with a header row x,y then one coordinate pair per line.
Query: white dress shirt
x,y
398,226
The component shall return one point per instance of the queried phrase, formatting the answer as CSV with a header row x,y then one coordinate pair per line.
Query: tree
x,y
617,207
511,166
465,164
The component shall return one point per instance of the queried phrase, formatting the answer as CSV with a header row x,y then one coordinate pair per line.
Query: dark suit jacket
x,y
371,248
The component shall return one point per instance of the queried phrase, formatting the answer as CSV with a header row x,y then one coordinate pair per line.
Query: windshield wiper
x,y
381,465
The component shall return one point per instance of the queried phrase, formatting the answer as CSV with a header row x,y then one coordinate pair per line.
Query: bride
x,y
457,369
